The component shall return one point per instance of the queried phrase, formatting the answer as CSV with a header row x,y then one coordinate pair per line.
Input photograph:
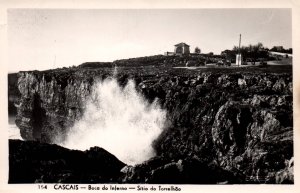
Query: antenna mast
x,y
240,44
239,52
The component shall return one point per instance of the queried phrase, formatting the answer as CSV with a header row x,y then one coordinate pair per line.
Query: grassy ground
x,y
248,68
284,61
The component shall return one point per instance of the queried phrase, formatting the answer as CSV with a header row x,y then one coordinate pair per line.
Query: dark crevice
x,y
39,115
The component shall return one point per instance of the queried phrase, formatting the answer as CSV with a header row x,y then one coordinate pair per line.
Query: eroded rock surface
x,y
234,123
35,162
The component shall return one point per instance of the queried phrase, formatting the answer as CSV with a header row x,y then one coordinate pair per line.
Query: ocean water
x,y
13,132
119,120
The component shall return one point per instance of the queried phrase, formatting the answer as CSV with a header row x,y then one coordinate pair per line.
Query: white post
x,y
238,59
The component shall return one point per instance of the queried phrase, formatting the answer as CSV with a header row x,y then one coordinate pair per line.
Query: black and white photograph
x,y
164,97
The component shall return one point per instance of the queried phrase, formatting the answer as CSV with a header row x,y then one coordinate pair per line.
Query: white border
x,y
149,4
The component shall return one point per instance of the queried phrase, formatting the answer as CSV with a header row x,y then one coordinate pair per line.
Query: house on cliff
x,y
180,49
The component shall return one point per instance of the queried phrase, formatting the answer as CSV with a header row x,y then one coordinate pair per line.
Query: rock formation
x,y
35,162
236,124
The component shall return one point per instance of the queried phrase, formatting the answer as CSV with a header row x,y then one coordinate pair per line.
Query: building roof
x,y
181,44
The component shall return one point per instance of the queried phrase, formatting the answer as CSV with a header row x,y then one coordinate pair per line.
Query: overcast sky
x,y
43,38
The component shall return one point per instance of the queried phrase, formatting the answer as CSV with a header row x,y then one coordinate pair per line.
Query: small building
x,y
169,54
181,49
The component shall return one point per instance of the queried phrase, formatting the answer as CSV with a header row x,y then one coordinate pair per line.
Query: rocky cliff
x,y
237,121
34,162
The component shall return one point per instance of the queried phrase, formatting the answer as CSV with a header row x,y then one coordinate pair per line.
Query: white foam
x,y
14,132
119,120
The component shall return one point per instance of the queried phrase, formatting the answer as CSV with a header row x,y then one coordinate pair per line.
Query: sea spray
x,y
14,132
119,120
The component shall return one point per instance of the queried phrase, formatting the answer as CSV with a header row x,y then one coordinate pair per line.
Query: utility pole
x,y
239,55
240,42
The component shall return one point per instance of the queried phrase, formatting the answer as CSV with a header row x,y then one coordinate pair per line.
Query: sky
x,y
40,39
